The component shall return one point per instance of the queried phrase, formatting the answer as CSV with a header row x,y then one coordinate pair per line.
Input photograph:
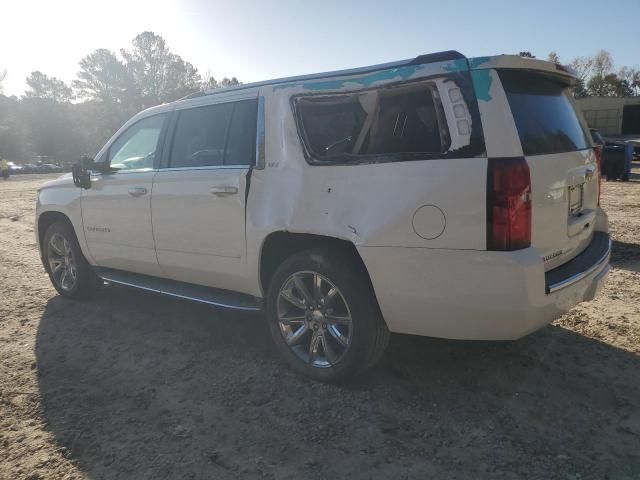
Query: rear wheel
x,y
323,316
69,271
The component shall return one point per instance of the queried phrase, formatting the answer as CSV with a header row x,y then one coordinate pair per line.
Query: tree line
x,y
63,121
597,77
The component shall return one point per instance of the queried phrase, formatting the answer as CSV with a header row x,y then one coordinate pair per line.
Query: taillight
x,y
508,204
598,151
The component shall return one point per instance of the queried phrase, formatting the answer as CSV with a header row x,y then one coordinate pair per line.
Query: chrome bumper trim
x,y
579,276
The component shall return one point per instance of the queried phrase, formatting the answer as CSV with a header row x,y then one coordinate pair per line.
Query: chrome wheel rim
x,y
314,319
62,264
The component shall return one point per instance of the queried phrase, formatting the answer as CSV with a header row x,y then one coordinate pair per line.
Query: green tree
x,y
104,80
48,88
631,75
103,77
3,75
212,83
160,75
12,134
609,85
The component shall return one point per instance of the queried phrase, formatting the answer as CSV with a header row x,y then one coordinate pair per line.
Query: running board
x,y
188,291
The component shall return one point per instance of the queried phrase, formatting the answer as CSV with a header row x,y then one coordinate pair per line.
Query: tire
x,y
343,333
69,272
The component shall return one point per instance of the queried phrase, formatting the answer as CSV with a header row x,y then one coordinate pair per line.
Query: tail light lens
x,y
598,151
508,204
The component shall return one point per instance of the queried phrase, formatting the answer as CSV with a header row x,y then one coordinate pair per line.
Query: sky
x,y
258,39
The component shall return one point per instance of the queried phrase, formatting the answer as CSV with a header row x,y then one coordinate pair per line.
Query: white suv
x,y
438,196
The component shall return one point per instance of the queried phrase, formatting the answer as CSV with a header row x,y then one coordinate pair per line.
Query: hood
x,y
64,180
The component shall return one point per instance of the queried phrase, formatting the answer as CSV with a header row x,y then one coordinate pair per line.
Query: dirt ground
x,y
136,386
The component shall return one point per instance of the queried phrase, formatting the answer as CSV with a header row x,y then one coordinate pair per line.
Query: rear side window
x,y
543,112
394,123
215,135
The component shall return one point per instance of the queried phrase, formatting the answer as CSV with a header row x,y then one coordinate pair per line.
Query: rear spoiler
x,y
568,74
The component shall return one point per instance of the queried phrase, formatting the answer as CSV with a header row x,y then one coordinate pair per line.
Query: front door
x,y
198,200
116,210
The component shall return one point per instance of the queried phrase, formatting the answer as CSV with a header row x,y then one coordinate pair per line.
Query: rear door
x,y
562,164
198,200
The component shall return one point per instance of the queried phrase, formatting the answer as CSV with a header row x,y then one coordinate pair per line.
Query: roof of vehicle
x,y
458,63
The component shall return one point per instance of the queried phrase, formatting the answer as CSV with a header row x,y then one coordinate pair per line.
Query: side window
x,y
394,122
241,145
214,135
136,148
200,136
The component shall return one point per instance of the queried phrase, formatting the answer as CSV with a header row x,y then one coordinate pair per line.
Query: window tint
x,y
136,148
543,112
215,135
391,122
241,145
200,136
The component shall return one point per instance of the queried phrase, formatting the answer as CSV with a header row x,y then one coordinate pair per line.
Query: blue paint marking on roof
x,y
459,65
482,81
451,56
402,73
477,61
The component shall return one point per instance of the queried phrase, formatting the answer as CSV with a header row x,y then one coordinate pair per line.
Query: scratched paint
x,y
482,81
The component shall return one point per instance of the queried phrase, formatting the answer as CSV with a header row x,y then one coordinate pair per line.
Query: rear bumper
x,y
590,260
480,295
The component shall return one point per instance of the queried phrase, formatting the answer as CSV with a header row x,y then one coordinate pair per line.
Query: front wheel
x,y
323,315
69,271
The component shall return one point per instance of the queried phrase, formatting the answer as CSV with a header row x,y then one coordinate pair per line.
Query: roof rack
x,y
419,60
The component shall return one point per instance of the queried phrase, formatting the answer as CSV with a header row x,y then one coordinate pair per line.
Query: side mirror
x,y
81,172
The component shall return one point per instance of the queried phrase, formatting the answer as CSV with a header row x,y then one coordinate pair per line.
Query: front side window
x,y
136,148
394,123
215,135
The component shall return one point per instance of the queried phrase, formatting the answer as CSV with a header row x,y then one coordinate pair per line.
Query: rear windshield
x,y
544,114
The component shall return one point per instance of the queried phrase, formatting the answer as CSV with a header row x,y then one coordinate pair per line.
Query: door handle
x,y
219,191
137,191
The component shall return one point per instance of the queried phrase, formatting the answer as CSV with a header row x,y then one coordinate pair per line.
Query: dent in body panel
x,y
366,204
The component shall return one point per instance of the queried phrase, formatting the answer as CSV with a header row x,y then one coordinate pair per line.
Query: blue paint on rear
x,y
482,81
